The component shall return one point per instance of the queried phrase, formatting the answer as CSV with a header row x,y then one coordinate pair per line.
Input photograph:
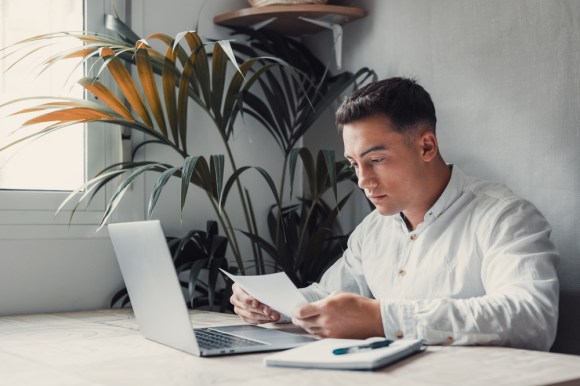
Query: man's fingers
x,y
242,300
311,318
242,296
249,309
251,317
306,317
310,325
307,311
255,316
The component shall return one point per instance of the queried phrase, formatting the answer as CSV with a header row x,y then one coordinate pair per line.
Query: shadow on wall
x,y
568,337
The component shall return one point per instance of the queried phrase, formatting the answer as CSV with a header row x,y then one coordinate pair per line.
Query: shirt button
x,y
402,272
413,237
449,340
399,334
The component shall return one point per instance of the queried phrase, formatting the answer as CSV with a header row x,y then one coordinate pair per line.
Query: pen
x,y
363,347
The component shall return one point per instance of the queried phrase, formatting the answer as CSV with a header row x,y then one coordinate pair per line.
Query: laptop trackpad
x,y
264,334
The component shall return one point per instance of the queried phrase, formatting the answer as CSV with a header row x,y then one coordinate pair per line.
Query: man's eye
x,y
377,160
354,166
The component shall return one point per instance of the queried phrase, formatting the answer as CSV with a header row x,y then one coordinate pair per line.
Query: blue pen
x,y
362,347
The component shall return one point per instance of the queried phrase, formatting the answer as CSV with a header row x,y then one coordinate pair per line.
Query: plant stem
x,y
240,192
303,232
281,195
258,258
229,230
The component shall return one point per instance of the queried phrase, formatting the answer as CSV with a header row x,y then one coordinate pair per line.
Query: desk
x,y
105,348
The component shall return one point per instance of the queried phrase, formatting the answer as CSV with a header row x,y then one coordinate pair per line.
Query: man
x,y
444,257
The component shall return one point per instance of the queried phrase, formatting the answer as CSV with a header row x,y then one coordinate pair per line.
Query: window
x,y
54,162
37,177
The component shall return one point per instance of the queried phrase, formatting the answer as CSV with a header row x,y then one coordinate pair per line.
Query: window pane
x,y
56,161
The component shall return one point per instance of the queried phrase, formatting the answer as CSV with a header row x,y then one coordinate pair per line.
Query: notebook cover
x,y
319,355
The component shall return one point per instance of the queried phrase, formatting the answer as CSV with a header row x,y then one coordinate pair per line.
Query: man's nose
x,y
365,178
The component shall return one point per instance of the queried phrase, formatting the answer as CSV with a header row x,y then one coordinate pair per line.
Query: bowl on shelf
x,y
263,3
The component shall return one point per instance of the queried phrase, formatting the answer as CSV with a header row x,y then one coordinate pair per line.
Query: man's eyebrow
x,y
367,151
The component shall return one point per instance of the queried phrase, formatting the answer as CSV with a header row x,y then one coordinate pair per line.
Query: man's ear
x,y
428,145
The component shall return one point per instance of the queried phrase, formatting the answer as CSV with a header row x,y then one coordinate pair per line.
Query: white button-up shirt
x,y
480,269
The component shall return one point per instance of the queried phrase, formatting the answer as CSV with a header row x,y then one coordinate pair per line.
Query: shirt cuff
x,y
398,319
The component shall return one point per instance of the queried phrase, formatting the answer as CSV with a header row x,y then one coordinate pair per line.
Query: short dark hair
x,y
402,100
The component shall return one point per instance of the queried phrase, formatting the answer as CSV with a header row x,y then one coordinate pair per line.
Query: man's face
x,y
388,165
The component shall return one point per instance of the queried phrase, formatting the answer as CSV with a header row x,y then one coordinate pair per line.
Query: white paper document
x,y
276,290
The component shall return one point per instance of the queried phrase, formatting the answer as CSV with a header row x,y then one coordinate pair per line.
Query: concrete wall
x,y
505,79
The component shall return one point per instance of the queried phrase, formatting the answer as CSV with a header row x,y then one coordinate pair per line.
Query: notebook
x,y
159,305
320,354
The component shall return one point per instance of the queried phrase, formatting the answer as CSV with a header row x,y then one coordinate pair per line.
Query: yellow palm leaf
x,y
147,78
126,84
75,114
107,97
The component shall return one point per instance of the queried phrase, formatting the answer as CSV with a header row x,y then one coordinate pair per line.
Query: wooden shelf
x,y
287,19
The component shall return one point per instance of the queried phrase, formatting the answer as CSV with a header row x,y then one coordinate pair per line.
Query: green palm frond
x,y
292,104
158,188
325,174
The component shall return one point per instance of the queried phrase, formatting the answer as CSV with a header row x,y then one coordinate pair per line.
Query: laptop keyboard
x,y
211,339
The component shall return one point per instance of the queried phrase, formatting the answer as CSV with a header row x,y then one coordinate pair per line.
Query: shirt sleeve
x,y
346,274
520,305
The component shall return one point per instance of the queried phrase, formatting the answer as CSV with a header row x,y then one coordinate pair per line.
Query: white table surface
x,y
104,347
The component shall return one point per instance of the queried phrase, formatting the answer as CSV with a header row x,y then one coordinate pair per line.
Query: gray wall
x,y
505,79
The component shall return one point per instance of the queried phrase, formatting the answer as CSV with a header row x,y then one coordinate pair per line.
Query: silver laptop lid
x,y
152,284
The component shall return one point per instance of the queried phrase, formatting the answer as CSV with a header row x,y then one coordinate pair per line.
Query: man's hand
x,y
341,315
249,309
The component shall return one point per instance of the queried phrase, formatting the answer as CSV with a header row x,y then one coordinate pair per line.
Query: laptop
x,y
159,305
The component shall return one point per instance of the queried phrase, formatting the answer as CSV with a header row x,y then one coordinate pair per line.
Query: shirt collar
x,y
452,192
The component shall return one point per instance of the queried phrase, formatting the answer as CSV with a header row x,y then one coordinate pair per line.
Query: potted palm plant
x,y
155,99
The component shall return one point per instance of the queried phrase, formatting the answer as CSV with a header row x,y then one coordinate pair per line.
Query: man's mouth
x,y
377,198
